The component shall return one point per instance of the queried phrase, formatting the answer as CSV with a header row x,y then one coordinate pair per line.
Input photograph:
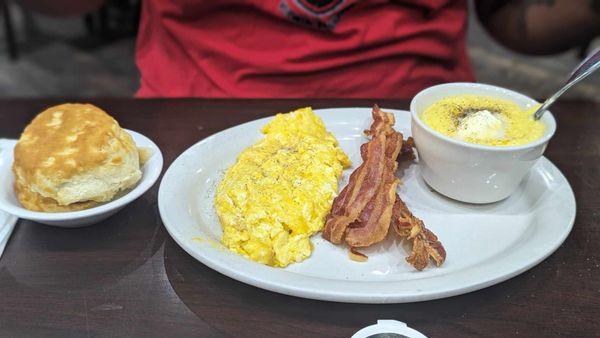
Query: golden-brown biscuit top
x,y
65,140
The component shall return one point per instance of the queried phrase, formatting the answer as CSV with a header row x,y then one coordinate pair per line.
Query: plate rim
x,y
344,296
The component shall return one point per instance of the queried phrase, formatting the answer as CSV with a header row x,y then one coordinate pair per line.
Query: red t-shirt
x,y
300,48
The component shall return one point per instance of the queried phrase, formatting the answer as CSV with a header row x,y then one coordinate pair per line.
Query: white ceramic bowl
x,y
470,172
9,203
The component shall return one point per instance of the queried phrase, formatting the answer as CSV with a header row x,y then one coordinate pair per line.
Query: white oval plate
x,y
485,244
8,200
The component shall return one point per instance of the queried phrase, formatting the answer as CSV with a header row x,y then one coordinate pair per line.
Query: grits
x,y
483,120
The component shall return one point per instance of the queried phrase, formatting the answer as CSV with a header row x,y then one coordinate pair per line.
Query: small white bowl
x,y
72,219
470,172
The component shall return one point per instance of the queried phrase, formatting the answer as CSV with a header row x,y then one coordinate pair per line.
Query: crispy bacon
x,y
362,186
374,221
407,150
365,196
425,244
364,210
357,256
382,122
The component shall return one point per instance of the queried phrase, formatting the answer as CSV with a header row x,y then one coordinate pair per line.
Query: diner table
x,y
125,276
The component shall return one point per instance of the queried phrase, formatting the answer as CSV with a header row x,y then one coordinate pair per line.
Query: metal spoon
x,y
585,68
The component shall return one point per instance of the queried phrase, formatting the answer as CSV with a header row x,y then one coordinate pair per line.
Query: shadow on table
x,y
44,259
237,309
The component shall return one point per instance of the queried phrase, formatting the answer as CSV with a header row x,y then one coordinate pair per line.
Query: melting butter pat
x,y
482,125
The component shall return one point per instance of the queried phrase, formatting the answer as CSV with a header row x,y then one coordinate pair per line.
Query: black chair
x,y
9,32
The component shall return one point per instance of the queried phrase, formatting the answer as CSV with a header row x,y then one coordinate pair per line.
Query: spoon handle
x,y
590,62
585,68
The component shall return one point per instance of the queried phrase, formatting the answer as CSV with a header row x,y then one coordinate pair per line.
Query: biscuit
x,y
73,157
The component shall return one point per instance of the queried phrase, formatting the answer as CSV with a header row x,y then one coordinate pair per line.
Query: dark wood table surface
x,y
127,277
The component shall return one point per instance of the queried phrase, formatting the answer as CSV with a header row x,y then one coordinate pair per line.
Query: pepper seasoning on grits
x,y
279,191
483,120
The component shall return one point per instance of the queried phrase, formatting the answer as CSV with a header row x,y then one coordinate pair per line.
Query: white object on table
x,y
7,221
388,326
485,244
7,225
8,201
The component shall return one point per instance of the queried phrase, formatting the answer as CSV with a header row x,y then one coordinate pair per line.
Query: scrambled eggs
x,y
280,190
483,120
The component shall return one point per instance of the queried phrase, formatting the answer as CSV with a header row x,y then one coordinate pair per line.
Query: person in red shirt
x,y
335,48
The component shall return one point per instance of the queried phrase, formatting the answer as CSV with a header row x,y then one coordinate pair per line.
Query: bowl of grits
x,y
477,142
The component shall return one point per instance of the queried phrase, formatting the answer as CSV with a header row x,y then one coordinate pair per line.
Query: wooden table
x,y
127,277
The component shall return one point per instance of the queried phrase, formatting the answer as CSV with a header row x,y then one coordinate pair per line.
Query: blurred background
x,y
43,53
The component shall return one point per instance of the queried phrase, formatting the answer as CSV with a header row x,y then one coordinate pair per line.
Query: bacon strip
x,y
364,195
425,244
374,221
362,186
382,123
407,149
364,210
